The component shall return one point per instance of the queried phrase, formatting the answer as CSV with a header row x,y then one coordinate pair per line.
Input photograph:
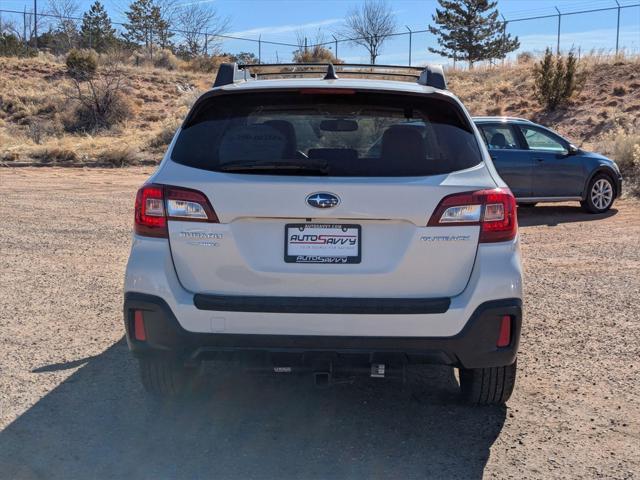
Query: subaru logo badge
x,y
323,200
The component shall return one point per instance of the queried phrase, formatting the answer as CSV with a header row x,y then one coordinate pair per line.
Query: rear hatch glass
x,y
360,134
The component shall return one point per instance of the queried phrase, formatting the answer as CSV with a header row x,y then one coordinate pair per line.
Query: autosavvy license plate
x,y
322,243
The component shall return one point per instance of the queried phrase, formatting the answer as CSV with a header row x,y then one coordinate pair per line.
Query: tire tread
x,y
488,386
163,377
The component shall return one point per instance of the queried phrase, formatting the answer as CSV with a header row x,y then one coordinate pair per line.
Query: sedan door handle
x,y
539,159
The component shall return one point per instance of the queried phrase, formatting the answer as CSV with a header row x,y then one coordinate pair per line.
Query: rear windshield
x,y
358,134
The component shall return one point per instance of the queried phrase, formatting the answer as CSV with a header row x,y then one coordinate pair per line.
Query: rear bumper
x,y
473,347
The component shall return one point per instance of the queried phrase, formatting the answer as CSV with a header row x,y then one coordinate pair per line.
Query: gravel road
x,y
71,405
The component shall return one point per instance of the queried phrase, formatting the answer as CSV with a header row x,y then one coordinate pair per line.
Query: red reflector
x,y
327,91
138,326
504,337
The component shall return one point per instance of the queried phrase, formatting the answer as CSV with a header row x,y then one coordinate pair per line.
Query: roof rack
x,y
430,75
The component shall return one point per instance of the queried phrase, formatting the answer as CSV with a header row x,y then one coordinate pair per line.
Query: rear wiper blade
x,y
254,165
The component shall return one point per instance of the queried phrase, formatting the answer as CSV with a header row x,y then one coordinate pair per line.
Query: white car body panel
x,y
401,257
496,275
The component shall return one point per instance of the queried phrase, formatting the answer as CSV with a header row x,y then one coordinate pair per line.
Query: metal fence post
x,y
410,38
559,20
35,23
260,48
206,44
24,26
504,36
618,28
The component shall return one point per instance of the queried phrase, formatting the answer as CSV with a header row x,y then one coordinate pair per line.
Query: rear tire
x,y
487,386
600,194
165,377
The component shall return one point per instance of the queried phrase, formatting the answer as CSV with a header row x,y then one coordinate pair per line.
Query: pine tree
x,y
96,31
469,30
146,26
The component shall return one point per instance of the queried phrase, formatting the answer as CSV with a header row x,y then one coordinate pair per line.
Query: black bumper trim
x,y
327,305
473,347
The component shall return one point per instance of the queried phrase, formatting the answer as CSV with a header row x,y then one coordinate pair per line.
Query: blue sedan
x,y
541,166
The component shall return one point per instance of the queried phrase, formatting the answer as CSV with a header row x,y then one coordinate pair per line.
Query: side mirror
x,y
573,149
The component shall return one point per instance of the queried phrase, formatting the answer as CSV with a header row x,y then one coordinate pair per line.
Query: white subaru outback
x,y
326,225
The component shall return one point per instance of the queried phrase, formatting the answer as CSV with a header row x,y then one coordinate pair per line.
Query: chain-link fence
x,y
618,31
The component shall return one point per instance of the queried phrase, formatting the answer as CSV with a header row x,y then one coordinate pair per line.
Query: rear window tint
x,y
363,134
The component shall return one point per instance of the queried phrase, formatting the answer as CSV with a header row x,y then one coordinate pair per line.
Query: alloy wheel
x,y
601,193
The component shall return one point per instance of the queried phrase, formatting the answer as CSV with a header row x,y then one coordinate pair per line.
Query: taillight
x,y
155,204
150,219
494,210
188,205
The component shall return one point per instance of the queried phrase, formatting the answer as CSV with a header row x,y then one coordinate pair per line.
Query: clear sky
x,y
279,20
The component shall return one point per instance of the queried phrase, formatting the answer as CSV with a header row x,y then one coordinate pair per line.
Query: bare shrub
x,y
166,59
164,136
116,54
9,156
624,148
315,54
82,64
206,63
524,58
98,102
38,130
55,155
120,156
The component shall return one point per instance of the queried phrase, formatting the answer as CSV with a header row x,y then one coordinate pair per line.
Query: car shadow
x,y
100,424
552,215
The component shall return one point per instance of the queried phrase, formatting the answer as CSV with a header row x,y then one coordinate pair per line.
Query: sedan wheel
x,y
601,194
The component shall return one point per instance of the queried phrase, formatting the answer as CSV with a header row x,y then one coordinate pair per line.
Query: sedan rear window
x,y
358,134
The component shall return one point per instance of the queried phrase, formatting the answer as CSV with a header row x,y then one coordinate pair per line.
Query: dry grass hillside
x,y
607,103
34,100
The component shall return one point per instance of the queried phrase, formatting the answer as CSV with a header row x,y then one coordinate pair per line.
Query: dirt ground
x,y
71,405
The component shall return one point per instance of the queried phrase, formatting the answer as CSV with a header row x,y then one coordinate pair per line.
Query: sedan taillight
x,y
494,210
156,204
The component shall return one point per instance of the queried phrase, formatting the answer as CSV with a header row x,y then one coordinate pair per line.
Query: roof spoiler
x,y
229,73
